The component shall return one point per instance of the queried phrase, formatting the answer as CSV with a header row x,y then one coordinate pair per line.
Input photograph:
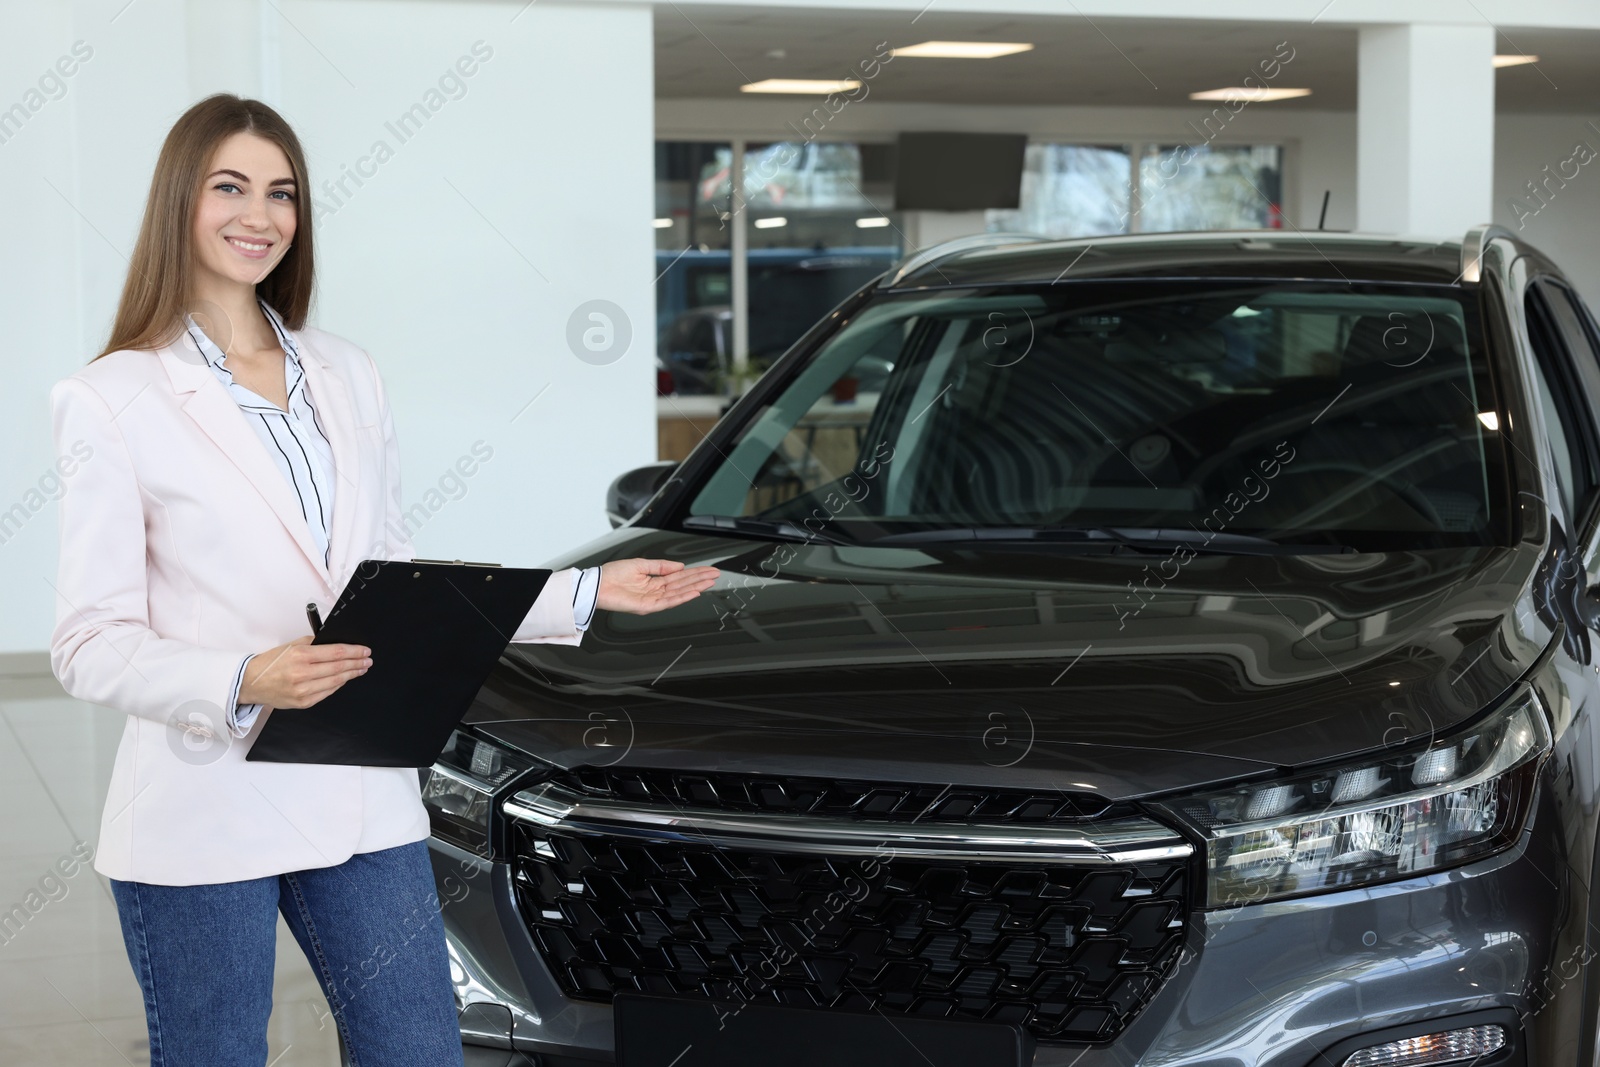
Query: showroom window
x,y
811,227
1212,187
693,244
1070,190
1078,190
815,235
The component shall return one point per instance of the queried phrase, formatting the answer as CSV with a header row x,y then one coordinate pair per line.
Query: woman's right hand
x,y
299,674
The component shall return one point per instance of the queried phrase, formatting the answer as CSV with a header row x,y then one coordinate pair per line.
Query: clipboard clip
x,y
458,563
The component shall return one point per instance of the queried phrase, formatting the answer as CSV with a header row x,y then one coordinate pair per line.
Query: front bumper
x,y
1269,985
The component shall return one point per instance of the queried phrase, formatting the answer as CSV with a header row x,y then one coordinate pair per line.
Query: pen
x,y
315,619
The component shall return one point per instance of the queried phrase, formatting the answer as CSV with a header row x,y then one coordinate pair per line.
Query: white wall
x,y
462,295
1566,225
44,256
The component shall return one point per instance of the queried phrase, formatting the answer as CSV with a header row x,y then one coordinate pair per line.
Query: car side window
x,y
1566,417
1577,333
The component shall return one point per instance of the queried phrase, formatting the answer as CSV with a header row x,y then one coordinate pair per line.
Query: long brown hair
x,y
150,313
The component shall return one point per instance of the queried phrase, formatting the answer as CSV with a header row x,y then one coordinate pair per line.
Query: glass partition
x,y
820,227
1212,187
694,234
1070,190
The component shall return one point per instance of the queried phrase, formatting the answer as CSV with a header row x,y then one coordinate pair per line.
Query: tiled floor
x,y
67,993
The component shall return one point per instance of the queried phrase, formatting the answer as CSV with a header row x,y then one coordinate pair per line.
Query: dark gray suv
x,y
1176,650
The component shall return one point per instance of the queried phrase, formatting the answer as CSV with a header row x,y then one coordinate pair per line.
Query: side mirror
x,y
1589,607
632,491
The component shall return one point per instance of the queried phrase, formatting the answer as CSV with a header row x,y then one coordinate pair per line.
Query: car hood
x,y
1122,675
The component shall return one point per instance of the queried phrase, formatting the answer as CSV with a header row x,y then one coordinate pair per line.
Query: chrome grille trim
x,y
1115,842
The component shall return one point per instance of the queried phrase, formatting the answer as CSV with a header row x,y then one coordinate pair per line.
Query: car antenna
x,y
1323,218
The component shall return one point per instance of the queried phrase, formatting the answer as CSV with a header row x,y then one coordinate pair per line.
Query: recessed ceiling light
x,y
819,86
1248,94
871,223
662,224
767,224
962,49
1514,61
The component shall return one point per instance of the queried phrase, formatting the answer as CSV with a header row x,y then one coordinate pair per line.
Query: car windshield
x,y
1356,416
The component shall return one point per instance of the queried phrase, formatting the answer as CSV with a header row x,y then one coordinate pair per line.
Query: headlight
x,y
1391,816
461,787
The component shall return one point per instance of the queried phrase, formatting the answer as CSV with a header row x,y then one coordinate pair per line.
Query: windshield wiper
x,y
780,529
963,534
1159,540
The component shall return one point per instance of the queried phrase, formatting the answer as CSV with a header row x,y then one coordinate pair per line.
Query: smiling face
x,y
246,213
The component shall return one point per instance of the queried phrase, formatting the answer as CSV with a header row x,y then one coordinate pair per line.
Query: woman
x,y
242,464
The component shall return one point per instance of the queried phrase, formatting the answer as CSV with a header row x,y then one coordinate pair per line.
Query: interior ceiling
x,y
710,51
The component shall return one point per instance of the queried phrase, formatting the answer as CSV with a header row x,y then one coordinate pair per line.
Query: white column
x,y
924,229
496,256
1425,129
739,259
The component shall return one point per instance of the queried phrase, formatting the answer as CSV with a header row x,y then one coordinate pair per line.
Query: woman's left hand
x,y
643,586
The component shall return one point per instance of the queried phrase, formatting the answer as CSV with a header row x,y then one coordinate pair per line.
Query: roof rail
x,y
945,249
1475,244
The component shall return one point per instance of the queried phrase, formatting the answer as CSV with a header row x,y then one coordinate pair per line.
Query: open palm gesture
x,y
644,586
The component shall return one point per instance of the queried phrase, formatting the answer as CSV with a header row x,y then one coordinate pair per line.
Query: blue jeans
x,y
370,928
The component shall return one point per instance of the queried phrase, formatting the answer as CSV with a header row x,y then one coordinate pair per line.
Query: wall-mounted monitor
x,y
958,171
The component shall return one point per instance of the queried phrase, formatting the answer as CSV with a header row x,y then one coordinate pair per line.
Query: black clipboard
x,y
436,630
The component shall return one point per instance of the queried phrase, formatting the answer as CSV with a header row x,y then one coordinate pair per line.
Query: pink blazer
x,y
182,550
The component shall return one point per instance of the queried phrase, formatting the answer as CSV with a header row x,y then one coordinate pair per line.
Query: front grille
x,y
844,798
1071,953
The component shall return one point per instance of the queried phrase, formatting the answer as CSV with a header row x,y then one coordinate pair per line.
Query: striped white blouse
x,y
297,444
